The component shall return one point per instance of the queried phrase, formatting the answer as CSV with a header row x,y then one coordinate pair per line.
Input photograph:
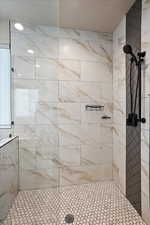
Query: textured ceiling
x,y
97,15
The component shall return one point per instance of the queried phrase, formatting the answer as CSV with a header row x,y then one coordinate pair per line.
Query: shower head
x,y
128,50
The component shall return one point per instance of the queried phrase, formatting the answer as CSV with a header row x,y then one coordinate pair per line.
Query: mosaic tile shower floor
x,y
91,204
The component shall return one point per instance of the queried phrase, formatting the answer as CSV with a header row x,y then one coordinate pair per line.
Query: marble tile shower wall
x,y
145,129
119,112
8,176
60,142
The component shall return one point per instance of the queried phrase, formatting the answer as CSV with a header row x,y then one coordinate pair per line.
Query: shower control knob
x,y
142,54
143,120
106,117
12,70
69,218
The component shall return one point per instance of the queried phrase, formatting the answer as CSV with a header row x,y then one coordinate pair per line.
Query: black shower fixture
x,y
133,117
128,50
69,218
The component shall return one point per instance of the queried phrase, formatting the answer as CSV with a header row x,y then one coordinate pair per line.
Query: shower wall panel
x,y
8,176
60,142
119,102
133,134
119,160
145,128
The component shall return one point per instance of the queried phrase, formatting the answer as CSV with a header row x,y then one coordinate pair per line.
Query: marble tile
x,y
119,65
106,93
25,132
106,133
119,155
145,28
45,164
146,79
69,70
38,179
145,160
25,86
85,50
120,91
119,112
46,156
81,92
69,33
48,31
27,154
68,113
8,176
46,135
95,36
145,208
46,113
119,106
86,174
46,68
47,144
25,98
145,174
69,135
90,92
69,91
145,113
24,67
119,37
96,71
46,46
119,137
90,135
43,46
48,91
84,35
98,155
95,135
27,147
35,91
21,43
69,156
119,58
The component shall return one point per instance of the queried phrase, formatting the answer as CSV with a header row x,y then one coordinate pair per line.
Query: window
x,y
5,88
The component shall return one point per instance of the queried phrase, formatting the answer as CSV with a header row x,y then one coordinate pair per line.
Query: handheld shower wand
x,y
128,50
133,118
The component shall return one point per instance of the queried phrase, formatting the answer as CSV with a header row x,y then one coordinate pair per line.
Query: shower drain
x,y
69,218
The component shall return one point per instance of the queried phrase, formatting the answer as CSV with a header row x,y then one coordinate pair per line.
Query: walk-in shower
x,y
74,146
